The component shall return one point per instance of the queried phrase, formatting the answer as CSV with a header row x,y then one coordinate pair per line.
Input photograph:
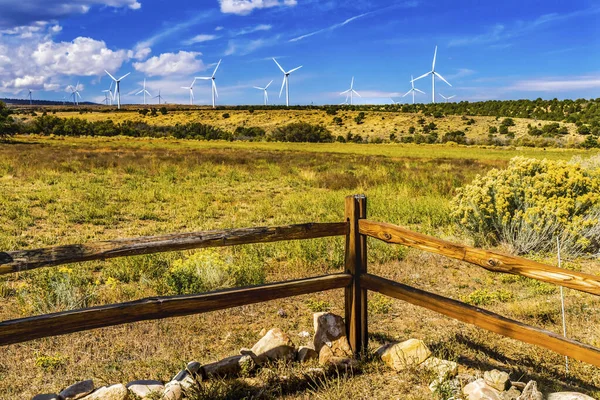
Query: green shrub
x,y
483,297
208,270
302,132
530,203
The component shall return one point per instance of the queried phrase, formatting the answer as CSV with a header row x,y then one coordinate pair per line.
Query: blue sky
x,y
487,50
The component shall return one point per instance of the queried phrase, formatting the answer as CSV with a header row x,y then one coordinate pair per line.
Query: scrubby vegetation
x,y
531,203
8,127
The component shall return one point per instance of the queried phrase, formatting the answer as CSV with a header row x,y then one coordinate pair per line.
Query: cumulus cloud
x,y
39,62
184,62
245,7
20,13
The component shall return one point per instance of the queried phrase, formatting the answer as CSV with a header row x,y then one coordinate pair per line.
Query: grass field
x,y
375,125
59,191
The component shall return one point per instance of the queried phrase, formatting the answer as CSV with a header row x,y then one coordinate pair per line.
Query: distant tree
x,y
508,122
360,118
226,115
492,130
454,136
503,129
8,126
412,130
583,130
302,132
338,121
144,112
164,111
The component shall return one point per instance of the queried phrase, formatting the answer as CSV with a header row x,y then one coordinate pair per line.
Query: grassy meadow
x,y
74,190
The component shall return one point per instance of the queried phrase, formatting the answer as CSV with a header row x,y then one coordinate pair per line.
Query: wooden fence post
x,y
356,264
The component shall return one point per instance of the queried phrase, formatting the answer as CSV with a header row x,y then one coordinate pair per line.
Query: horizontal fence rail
x,y
24,329
490,260
483,319
22,260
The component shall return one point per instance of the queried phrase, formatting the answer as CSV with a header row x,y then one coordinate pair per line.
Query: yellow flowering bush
x,y
531,203
208,270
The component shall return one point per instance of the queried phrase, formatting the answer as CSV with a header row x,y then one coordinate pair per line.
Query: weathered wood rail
x,y
355,281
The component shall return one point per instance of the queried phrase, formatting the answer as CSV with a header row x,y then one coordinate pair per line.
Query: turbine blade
x,y
141,91
295,69
356,93
345,91
407,93
422,76
442,78
113,78
420,91
451,96
259,88
266,87
282,85
434,56
194,81
124,76
183,87
279,66
352,83
216,68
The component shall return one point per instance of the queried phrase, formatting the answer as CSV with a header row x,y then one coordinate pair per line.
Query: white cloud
x,y
21,13
184,62
330,28
245,7
219,28
244,46
257,28
200,39
556,84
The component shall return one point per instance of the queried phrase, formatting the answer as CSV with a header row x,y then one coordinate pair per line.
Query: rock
x,y
145,388
499,380
47,396
479,390
304,334
274,345
510,394
185,380
520,385
114,392
193,367
400,356
444,370
530,392
306,353
281,312
78,390
569,396
341,364
230,366
173,391
330,337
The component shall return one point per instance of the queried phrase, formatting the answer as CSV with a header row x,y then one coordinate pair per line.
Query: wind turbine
x,y
117,87
30,97
108,94
74,93
190,88
215,94
144,91
413,89
265,95
433,75
286,82
447,98
159,97
351,91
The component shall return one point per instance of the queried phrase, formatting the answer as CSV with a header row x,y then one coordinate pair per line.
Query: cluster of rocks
x,y
493,385
329,346
331,349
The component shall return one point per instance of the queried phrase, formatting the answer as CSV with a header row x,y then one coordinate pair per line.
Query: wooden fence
x,y
355,280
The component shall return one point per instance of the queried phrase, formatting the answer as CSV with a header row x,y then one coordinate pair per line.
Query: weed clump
x,y
531,203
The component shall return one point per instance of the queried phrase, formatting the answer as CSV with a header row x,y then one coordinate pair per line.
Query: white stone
x,y
274,345
401,356
530,392
499,380
173,391
444,370
144,388
569,396
114,392
330,339
479,390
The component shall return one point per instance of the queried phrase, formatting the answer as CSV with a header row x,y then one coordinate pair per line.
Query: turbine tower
x,y
30,97
433,74
75,93
265,95
286,82
413,89
117,87
191,89
350,92
447,98
159,97
144,91
215,94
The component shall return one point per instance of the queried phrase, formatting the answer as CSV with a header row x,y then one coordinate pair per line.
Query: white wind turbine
x,y
413,89
350,91
159,97
108,94
75,93
215,94
286,82
433,74
30,97
447,98
191,89
144,91
117,87
265,95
